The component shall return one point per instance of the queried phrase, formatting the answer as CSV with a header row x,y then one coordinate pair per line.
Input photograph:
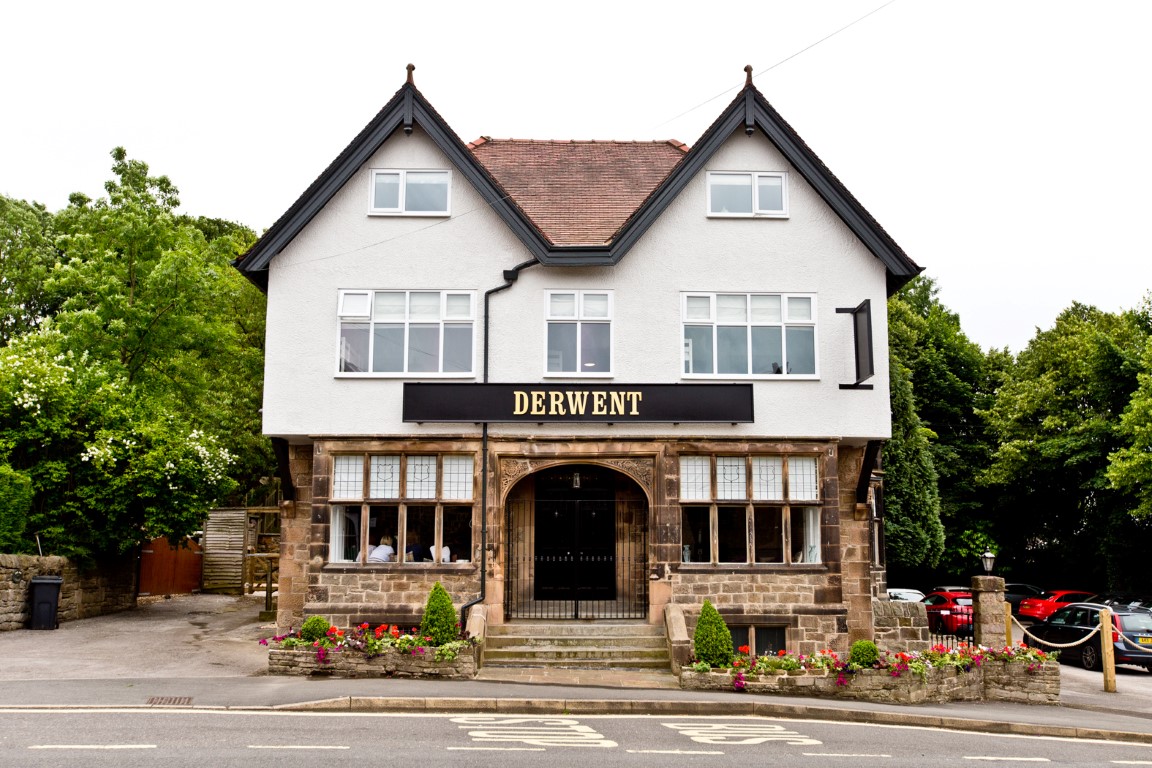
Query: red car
x,y
949,613
1040,608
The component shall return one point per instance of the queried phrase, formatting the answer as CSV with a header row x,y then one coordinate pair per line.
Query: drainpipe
x,y
510,276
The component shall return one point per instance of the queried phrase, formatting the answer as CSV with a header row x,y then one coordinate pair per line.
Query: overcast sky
x,y
1005,145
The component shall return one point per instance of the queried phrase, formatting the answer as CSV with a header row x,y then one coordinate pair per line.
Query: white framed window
x,y
410,192
579,333
397,333
429,519
783,517
748,194
749,334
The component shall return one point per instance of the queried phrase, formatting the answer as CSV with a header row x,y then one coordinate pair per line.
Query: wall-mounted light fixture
x,y
575,479
17,576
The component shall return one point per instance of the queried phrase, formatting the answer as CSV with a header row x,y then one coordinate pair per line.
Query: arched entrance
x,y
577,546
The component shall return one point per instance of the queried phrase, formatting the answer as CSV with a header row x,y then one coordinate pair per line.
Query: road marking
x,y
740,733
840,754
673,752
994,758
92,746
499,749
537,731
295,746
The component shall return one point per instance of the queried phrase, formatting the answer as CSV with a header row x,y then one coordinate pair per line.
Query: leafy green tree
x,y
132,403
912,530
1057,418
26,258
15,501
952,379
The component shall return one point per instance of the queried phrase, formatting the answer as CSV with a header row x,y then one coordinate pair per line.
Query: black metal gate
x,y
576,559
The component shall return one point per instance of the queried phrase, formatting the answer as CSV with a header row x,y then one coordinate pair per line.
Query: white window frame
x,y
444,493
401,208
757,211
783,496
579,319
784,323
349,310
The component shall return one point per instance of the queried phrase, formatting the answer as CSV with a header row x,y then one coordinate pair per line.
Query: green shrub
x,y
864,654
439,620
712,640
314,628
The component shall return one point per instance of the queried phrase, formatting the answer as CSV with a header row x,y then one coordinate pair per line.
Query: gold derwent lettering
x,y
577,402
558,402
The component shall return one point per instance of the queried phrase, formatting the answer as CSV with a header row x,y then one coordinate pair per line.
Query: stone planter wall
x,y
391,663
992,681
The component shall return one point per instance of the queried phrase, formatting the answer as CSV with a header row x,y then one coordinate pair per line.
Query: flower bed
x,y
363,652
966,674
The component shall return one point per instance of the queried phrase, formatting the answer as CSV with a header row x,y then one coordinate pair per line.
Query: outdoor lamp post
x,y
988,559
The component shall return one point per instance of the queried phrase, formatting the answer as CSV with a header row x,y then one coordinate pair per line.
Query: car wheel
x,y
1090,657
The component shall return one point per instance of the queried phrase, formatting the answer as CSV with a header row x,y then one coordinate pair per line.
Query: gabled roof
x,y
540,189
578,192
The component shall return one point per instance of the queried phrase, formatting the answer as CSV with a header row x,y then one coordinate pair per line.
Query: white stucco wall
x,y
809,252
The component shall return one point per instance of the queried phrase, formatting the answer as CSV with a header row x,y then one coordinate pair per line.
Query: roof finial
x,y
411,67
747,78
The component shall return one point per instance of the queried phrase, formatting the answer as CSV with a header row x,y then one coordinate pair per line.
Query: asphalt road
x,y
251,739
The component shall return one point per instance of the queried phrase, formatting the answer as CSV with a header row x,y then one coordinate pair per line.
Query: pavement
x,y
202,651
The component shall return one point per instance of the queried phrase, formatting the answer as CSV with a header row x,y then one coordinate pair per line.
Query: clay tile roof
x,y
578,192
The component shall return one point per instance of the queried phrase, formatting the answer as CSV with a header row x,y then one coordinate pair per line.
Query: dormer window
x,y
751,194
410,193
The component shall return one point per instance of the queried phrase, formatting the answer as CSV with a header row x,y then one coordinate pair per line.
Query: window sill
x,y
412,214
395,567
748,567
758,215
403,376
751,376
576,375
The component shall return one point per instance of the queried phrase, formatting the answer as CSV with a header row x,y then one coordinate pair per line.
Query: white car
x,y
911,595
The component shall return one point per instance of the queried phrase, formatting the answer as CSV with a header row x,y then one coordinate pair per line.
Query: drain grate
x,y
170,701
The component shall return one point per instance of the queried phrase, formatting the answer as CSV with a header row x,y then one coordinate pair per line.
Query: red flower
x,y
744,650
781,652
364,625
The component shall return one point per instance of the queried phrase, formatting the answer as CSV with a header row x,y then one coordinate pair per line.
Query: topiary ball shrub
x,y
863,654
314,628
712,640
439,620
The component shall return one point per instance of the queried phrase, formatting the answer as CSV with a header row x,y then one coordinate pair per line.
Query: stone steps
x,y
577,645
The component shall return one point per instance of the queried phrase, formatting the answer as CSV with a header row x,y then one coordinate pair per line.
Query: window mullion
x,y
714,534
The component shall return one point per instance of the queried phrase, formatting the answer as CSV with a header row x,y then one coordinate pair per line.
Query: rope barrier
x,y
1050,644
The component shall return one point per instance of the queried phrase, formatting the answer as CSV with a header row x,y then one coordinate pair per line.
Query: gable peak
x,y
747,75
412,67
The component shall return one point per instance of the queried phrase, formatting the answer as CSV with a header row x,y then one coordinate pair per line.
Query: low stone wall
x,y
992,681
85,592
391,663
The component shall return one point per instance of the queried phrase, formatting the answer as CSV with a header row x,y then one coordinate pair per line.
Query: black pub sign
x,y
577,402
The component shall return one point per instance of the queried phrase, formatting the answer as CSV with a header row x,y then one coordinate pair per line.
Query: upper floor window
x,y
414,193
403,332
749,334
579,334
748,194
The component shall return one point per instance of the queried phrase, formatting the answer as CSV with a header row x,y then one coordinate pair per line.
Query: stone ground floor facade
x,y
781,536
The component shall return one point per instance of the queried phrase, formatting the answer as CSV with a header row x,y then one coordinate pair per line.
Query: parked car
x,y
902,593
1040,608
1015,593
1077,621
949,613
1122,600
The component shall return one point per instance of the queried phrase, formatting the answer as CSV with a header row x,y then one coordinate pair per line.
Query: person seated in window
x,y
384,552
413,549
446,554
